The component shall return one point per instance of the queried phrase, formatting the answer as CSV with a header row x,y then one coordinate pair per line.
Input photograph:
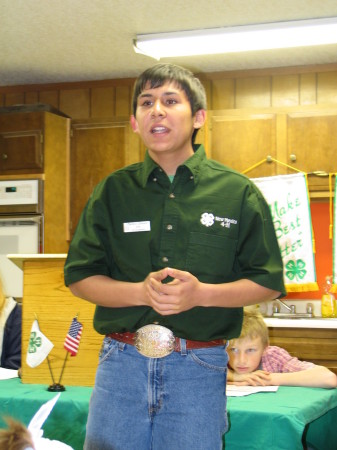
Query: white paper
x,y
6,374
240,391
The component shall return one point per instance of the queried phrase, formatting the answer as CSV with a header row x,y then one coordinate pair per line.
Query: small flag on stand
x,y
73,337
39,346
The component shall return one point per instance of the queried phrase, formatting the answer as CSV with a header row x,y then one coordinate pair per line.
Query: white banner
x,y
287,197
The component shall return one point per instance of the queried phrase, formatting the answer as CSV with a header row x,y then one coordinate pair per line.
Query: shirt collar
x,y
193,164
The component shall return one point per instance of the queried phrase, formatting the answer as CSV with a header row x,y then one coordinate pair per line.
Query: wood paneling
x,y
308,89
31,97
285,90
50,98
75,103
327,87
225,90
253,92
15,98
102,102
123,101
223,94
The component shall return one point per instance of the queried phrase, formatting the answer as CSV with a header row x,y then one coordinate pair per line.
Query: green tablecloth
x,y
67,420
273,421
280,420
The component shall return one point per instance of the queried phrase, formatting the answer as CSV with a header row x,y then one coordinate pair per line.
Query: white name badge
x,y
136,227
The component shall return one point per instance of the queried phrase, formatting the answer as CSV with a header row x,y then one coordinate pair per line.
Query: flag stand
x,y
56,387
71,345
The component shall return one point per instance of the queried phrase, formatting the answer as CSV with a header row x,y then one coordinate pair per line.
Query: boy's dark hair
x,y
159,74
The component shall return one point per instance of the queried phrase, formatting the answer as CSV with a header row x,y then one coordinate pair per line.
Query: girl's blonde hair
x,y
253,326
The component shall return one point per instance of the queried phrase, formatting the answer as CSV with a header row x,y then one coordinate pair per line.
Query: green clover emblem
x,y
34,342
295,270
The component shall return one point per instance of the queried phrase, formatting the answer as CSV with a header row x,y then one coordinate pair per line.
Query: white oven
x,y
21,228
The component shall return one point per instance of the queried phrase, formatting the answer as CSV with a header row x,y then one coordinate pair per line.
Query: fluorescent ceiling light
x,y
300,33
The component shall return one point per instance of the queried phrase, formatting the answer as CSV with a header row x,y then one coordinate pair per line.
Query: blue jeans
x,y
173,403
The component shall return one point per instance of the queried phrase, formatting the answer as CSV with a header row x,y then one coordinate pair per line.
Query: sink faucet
x,y
291,308
291,311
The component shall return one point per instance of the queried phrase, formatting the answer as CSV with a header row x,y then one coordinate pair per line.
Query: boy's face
x,y
164,121
245,354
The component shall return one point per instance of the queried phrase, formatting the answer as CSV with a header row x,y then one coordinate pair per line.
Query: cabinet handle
x,y
4,156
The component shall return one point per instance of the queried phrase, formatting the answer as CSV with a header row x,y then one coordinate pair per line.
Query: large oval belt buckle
x,y
154,341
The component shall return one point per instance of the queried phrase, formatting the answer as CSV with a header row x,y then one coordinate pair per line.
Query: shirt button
x,y
165,259
172,195
191,177
154,179
169,227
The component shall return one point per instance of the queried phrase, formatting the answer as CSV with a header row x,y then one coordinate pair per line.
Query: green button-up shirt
x,y
210,221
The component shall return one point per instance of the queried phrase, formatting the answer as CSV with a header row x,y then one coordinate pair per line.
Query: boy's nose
x,y
241,357
157,109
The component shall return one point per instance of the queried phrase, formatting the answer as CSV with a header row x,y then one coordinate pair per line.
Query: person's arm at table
x,y
318,376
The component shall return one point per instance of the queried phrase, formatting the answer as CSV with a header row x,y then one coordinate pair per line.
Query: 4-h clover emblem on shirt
x,y
207,219
295,270
34,342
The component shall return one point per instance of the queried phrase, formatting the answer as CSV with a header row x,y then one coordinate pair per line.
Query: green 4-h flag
x,y
39,346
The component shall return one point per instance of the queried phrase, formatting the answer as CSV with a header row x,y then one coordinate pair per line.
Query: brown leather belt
x,y
129,338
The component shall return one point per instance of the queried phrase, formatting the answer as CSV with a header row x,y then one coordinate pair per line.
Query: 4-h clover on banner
x,y
39,346
288,200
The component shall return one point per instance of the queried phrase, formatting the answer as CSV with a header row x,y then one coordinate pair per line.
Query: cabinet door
x,y
241,140
21,152
97,149
312,144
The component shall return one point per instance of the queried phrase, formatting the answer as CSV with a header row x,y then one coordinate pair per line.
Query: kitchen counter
x,y
314,322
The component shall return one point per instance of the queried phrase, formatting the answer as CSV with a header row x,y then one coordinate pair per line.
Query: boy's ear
x,y
134,124
199,118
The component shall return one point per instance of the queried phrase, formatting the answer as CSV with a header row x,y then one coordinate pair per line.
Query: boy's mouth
x,y
242,369
158,130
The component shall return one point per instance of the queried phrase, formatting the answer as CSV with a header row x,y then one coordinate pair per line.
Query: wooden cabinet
x,y
240,139
317,345
34,143
98,148
291,139
21,152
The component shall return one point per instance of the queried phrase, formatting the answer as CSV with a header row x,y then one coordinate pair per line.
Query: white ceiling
x,y
51,41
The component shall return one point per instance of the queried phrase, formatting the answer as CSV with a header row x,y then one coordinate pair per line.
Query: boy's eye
x,y
146,103
251,350
233,350
171,101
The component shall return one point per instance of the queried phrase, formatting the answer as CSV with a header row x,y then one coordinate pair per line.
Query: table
x,y
273,421
283,420
66,422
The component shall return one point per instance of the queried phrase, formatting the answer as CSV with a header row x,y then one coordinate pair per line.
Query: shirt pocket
x,y
210,255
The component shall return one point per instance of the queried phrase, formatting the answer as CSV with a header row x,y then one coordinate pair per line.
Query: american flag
x,y
73,337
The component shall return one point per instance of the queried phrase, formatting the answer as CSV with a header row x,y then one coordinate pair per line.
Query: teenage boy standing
x,y
169,250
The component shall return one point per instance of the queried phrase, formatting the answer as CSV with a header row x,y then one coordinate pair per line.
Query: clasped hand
x,y
175,296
